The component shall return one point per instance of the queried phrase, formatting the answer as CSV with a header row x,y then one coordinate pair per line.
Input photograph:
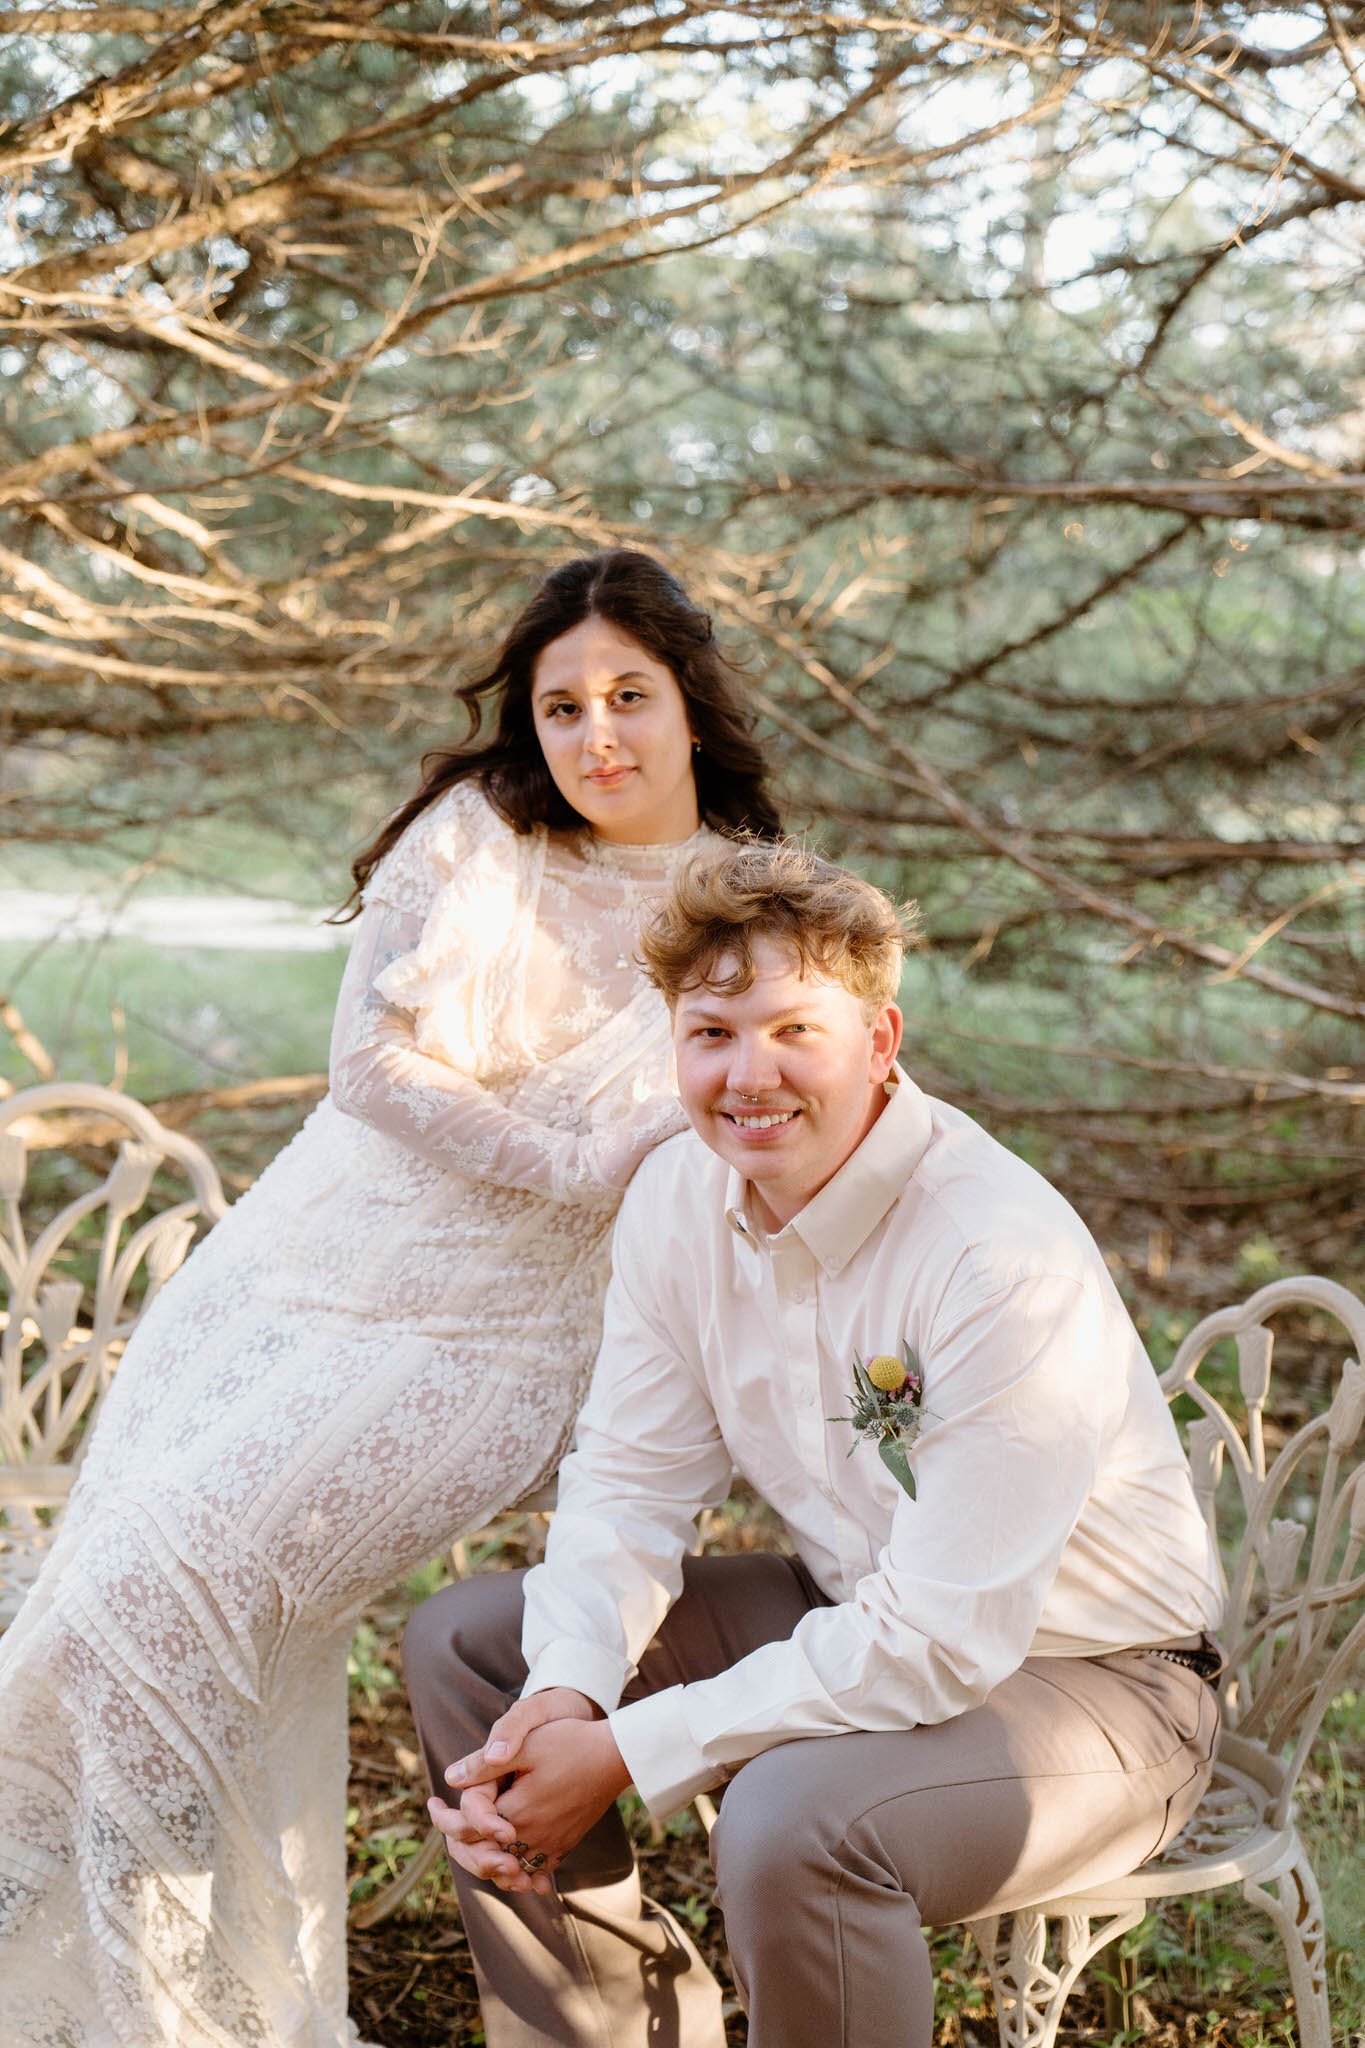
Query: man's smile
x,y
760,1120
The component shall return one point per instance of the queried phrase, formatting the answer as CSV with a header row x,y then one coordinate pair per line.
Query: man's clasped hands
x,y
547,1772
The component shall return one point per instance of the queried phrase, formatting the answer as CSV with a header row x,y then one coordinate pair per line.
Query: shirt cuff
x,y
657,1747
585,1667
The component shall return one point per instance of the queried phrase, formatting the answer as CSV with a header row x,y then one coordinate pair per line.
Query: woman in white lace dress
x,y
385,1341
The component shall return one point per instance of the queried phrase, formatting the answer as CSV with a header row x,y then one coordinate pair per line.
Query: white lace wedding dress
x,y
383,1342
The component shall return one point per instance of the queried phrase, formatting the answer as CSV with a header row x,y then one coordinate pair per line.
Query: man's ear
x,y
887,1029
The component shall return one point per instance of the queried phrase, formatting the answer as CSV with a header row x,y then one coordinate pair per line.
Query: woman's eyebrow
x,y
628,675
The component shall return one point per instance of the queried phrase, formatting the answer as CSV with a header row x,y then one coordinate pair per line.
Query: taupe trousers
x,y
829,1853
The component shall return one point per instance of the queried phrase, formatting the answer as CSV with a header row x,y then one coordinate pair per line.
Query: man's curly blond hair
x,y
834,924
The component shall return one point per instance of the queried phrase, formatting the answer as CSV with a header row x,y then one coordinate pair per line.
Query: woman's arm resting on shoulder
x,y
379,1076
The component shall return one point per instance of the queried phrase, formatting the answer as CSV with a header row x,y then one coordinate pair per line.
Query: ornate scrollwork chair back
x,y
72,1288
1287,1514
1290,1527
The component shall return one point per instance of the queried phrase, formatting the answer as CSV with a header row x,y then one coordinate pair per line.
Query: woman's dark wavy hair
x,y
637,594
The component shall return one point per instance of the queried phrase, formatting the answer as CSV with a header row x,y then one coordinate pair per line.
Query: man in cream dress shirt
x,y
942,1705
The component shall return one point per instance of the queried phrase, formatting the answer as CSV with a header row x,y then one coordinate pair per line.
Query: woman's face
x,y
612,725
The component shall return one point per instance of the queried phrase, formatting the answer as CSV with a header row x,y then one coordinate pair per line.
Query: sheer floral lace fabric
x,y
385,1340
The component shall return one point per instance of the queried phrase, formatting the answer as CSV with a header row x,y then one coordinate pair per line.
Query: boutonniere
x,y
886,1410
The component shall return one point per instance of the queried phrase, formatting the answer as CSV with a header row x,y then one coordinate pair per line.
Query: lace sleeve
x,y
379,1076
440,839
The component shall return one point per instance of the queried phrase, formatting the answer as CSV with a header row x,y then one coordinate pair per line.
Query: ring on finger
x,y
531,1860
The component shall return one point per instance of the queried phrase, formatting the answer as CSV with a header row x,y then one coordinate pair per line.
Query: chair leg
x,y
1030,1992
390,1896
1295,1907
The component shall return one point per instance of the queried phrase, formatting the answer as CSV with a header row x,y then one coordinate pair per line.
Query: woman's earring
x,y
696,746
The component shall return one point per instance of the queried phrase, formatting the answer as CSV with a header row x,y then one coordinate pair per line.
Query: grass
x,y
156,1020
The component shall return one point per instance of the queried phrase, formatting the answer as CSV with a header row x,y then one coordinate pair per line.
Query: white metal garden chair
x,y
1291,1530
72,1296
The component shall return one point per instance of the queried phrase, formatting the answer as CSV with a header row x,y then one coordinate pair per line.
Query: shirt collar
x,y
839,1220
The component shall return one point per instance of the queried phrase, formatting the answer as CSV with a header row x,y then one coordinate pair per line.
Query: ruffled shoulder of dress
x,y
475,882
435,846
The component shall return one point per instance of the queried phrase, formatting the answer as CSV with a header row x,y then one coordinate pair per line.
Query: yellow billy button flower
x,y
886,1373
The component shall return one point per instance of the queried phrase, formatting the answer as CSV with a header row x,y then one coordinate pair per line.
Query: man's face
x,y
785,1080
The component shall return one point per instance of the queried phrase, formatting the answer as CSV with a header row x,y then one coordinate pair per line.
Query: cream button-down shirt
x,y
1054,1516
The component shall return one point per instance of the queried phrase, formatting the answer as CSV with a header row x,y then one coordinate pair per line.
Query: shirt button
x,y
806,1398
800,1294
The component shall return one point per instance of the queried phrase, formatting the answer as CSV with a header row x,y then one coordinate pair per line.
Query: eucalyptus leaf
x,y
893,1455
